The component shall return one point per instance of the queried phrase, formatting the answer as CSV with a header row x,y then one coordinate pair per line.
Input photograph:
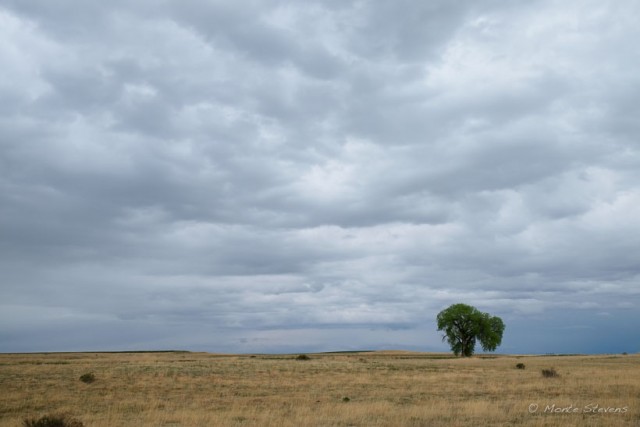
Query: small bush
x,y
87,378
346,399
550,373
520,366
56,420
303,357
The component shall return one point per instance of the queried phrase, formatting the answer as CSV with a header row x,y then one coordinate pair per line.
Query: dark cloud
x,y
274,176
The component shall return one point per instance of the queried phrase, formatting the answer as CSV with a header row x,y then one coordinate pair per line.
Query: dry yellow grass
x,y
359,389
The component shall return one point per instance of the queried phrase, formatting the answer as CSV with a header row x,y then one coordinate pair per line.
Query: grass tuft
x,y
87,378
55,420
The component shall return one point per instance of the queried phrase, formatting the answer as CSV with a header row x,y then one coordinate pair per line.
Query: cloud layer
x,y
280,176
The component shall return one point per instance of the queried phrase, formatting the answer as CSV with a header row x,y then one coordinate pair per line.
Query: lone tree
x,y
463,325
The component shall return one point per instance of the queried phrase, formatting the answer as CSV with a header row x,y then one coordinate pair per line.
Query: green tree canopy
x,y
463,325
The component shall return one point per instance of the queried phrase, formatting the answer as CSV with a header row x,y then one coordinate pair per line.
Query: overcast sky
x,y
297,176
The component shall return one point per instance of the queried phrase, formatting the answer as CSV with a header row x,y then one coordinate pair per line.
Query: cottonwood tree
x,y
463,325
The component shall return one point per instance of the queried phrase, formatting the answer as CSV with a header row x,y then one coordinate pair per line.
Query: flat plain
x,y
384,388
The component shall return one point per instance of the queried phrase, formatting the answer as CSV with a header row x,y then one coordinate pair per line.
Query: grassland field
x,y
383,388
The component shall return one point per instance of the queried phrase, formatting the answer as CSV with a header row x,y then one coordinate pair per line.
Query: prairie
x,y
384,388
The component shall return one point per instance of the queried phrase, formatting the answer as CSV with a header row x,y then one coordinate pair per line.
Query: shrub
x,y
549,373
87,378
520,366
56,420
346,399
303,357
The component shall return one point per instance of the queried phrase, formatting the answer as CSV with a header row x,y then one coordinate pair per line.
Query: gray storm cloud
x,y
280,176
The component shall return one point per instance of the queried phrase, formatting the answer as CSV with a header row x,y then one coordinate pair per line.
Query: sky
x,y
285,176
